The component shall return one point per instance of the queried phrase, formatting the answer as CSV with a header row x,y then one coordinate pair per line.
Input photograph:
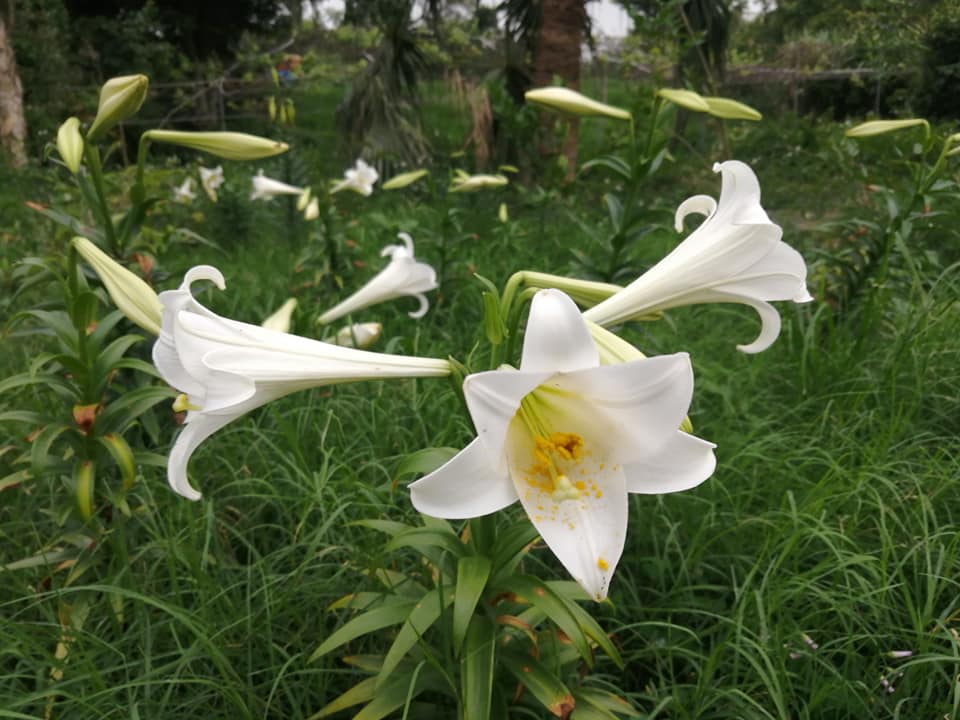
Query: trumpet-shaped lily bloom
x,y
211,179
570,439
184,193
226,368
360,179
734,256
403,276
265,188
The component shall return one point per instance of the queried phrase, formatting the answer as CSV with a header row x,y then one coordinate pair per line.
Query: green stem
x,y
96,172
514,322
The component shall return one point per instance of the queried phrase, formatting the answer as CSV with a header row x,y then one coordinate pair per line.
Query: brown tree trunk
x,y
558,55
13,126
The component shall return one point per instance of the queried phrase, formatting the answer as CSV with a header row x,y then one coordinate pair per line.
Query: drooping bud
x,y
132,296
70,144
228,145
571,102
503,214
120,97
685,99
312,211
404,179
358,335
880,127
280,320
728,109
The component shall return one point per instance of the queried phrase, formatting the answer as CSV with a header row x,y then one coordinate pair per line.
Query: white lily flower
x,y
360,179
734,256
265,188
227,368
570,439
280,320
403,276
211,179
360,335
184,193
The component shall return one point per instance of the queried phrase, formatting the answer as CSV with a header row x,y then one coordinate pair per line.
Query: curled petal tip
x,y
407,240
422,310
204,272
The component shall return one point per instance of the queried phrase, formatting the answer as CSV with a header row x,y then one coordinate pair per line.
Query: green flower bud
x,y
132,296
728,109
879,127
70,144
120,97
404,179
685,99
227,145
571,102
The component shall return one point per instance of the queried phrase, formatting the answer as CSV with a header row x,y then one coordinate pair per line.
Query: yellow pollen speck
x,y
602,564
580,485
598,493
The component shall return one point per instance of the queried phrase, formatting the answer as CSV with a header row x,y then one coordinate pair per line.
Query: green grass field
x,y
828,538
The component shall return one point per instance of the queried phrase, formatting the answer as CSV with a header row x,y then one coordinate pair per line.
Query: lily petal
x,y
587,534
466,486
557,337
682,463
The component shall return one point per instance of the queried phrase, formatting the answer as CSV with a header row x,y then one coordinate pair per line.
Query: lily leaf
x,y
472,574
543,685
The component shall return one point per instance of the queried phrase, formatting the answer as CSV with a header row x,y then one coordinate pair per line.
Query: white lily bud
x,y
685,98
404,179
120,97
358,335
462,182
728,109
312,211
280,320
880,127
131,294
571,102
70,144
228,145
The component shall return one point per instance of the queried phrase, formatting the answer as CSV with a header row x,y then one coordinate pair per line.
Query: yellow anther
x,y
602,564
182,404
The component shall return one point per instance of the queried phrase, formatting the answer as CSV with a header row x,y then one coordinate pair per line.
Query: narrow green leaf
x,y
362,692
610,162
427,538
84,484
369,622
591,627
40,448
122,455
390,527
589,712
395,693
15,382
123,411
510,545
539,594
543,685
604,700
424,614
472,574
476,666
424,461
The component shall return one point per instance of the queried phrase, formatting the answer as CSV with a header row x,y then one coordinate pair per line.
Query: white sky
x,y
608,17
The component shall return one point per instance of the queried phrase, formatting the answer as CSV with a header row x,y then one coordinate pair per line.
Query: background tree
x,y
13,125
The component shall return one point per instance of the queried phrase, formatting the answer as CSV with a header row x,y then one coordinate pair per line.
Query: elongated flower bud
x,y
571,102
132,296
728,109
120,97
228,145
70,144
880,127
404,179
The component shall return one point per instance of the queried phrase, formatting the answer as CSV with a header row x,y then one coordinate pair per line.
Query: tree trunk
x,y
13,126
557,54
